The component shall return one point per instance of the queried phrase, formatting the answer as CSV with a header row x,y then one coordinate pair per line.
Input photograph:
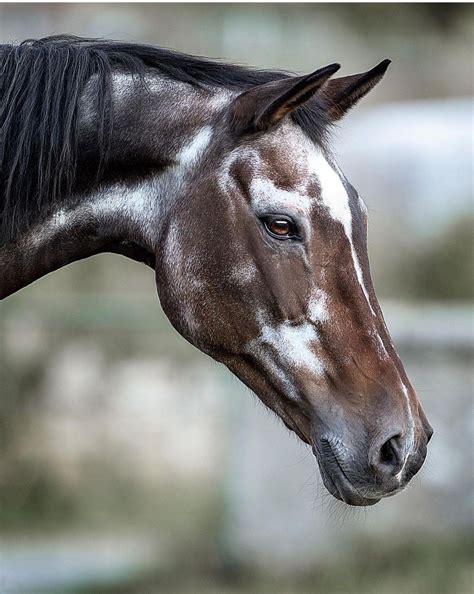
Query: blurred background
x,y
131,463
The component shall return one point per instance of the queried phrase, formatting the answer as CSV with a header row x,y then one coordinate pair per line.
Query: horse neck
x,y
158,136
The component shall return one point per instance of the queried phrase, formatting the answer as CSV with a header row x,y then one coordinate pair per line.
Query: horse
x,y
221,179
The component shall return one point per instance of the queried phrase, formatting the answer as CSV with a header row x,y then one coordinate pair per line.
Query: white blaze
x,y
410,442
335,198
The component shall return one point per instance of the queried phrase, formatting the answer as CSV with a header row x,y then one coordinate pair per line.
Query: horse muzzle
x,y
362,474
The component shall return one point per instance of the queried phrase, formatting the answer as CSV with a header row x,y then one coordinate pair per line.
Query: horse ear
x,y
264,106
343,93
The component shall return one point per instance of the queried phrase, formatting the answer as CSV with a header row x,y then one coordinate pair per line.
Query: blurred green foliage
x,y
441,16
414,567
443,269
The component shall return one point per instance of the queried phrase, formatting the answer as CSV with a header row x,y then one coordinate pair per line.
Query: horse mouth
x,y
336,481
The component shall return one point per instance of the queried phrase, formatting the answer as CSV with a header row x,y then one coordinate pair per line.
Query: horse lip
x,y
339,485
349,494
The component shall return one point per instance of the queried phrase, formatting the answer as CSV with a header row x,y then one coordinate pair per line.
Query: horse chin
x,y
339,486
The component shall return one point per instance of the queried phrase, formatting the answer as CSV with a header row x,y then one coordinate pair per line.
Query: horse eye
x,y
280,227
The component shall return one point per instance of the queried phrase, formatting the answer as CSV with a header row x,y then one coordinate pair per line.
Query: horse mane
x,y
41,83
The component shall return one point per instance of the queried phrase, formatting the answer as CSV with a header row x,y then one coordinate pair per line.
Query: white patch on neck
x,y
192,151
221,98
138,207
174,254
336,200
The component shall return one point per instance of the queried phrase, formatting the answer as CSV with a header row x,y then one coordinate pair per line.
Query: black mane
x,y
41,82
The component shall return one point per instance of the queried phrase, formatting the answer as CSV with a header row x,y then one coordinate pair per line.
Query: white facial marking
x,y
317,308
308,160
293,343
287,347
264,194
244,273
335,198
363,205
380,346
266,197
410,441
225,180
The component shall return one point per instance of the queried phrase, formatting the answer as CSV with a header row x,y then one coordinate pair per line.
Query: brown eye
x,y
280,227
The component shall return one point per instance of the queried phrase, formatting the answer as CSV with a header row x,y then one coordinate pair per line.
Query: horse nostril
x,y
388,454
389,458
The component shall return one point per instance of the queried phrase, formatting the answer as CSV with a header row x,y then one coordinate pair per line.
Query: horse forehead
x,y
285,155
285,168
274,169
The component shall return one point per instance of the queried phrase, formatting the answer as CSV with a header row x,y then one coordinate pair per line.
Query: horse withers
x,y
222,180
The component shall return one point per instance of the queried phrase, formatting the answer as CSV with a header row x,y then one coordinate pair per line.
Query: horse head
x,y
265,268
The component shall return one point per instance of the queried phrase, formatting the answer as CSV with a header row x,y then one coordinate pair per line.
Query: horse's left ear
x,y
343,93
264,106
